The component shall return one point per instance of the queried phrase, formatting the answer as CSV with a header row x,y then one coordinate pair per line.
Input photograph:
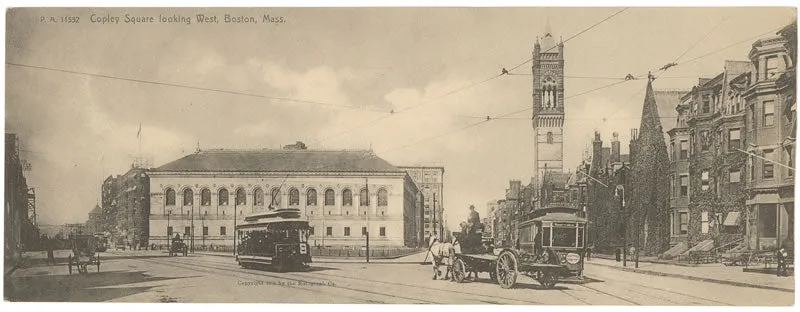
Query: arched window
x,y
258,197
205,197
383,198
363,198
347,197
294,197
188,197
311,197
275,195
549,138
223,197
330,197
241,197
170,197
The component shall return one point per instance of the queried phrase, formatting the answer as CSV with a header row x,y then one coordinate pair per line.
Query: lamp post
x,y
369,204
191,230
233,232
169,246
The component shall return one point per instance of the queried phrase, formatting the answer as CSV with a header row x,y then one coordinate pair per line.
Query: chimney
x,y
597,152
615,148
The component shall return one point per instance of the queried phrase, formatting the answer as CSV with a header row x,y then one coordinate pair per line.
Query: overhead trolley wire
x,y
474,84
183,86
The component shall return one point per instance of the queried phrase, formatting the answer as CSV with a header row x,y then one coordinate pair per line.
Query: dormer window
x,y
771,70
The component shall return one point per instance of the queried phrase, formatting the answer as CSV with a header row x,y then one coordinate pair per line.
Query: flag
x,y
139,134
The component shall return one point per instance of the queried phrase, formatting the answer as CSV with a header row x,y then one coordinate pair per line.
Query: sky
x,y
355,65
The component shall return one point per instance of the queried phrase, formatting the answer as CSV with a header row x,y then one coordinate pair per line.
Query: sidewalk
x,y
416,258
714,273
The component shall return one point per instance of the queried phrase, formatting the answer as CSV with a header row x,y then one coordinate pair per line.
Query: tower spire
x,y
547,30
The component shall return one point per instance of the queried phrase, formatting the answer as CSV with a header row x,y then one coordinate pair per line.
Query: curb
x,y
695,278
330,260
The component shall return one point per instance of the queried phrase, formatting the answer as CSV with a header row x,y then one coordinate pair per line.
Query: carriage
x,y
277,238
549,247
178,247
84,253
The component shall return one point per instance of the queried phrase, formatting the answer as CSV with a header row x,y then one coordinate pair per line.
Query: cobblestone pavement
x,y
154,277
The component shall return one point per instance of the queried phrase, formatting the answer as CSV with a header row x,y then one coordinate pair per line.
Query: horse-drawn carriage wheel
x,y
459,270
547,280
69,264
506,269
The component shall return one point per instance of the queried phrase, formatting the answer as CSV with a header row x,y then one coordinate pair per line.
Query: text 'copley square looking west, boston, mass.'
x,y
166,19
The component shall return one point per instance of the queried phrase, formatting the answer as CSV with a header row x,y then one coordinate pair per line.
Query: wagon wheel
x,y
69,264
459,270
506,269
547,280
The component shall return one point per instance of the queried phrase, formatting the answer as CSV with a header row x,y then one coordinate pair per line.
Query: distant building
x,y
343,194
430,181
95,222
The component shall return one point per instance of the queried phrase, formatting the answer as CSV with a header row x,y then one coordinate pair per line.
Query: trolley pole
x,y
369,207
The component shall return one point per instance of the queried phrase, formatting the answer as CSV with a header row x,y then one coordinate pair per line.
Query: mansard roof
x,y
268,160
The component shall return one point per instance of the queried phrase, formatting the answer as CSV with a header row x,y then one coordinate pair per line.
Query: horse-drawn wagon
x,y
178,247
84,253
503,264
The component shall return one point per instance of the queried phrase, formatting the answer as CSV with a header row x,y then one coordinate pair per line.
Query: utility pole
x,y
169,245
203,225
191,231
369,205
233,231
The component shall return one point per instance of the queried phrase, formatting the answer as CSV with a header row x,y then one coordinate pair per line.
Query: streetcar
x,y
276,238
101,242
558,235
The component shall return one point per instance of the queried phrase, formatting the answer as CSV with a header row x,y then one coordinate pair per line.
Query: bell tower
x,y
548,104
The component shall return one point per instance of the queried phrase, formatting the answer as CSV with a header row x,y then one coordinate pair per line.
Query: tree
x,y
649,187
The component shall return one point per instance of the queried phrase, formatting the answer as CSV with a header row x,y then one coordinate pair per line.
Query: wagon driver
x,y
474,219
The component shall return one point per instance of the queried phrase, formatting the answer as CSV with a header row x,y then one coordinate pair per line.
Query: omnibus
x,y
276,238
557,233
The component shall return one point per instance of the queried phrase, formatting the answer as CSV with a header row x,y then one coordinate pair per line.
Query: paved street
x,y
153,277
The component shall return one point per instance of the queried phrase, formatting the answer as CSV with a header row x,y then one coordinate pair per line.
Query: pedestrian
x,y
589,253
617,254
782,254
51,258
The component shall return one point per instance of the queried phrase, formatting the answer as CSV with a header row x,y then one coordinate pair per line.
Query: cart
x,y
177,248
84,253
504,264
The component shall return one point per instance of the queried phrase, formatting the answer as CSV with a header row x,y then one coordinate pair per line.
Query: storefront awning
x,y
732,219
772,198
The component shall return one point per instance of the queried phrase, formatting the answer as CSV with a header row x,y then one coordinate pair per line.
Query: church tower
x,y
548,105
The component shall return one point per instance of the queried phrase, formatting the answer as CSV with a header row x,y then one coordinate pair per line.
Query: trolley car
x,y
558,234
277,238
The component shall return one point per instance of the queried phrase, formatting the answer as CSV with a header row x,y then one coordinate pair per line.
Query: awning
x,y
732,219
771,198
